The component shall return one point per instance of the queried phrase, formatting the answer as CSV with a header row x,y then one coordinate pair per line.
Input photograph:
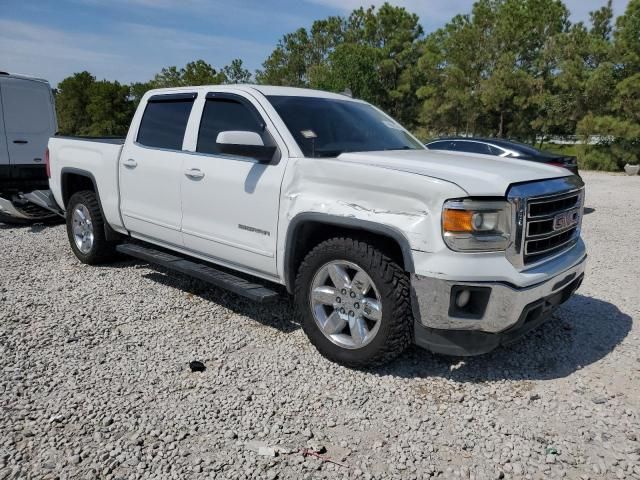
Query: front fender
x,y
400,205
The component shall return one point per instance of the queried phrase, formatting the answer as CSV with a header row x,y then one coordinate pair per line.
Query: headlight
x,y
476,225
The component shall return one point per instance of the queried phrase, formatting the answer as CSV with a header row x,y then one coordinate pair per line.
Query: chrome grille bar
x,y
546,218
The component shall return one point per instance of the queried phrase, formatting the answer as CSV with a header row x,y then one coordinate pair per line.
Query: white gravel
x,y
95,382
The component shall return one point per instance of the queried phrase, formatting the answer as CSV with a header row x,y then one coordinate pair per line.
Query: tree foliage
x,y
508,68
370,52
89,107
617,123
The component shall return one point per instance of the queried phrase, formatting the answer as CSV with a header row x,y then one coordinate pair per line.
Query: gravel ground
x,y
95,383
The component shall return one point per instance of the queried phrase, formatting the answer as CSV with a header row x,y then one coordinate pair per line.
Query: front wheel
x,y
354,303
85,229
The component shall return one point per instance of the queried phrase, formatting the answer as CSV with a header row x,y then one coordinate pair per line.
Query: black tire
x,y
101,250
395,333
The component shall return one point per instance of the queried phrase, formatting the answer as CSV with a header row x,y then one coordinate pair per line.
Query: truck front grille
x,y
547,218
552,225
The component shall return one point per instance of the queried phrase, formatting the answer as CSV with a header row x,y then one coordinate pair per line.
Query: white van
x,y
27,120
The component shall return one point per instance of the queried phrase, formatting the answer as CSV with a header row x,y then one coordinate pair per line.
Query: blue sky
x,y
131,40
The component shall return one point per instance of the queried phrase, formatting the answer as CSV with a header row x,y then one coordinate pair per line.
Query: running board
x,y
218,278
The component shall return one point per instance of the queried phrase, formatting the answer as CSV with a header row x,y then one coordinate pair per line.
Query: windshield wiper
x,y
404,147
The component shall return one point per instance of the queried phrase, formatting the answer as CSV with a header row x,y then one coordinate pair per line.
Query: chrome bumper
x,y
433,306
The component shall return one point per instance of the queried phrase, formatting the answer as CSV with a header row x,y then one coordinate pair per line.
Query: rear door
x,y
151,169
29,119
230,209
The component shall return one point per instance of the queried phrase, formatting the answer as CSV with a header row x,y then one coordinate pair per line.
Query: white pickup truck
x,y
381,242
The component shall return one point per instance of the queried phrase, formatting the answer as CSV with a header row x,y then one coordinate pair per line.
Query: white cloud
x,y
129,52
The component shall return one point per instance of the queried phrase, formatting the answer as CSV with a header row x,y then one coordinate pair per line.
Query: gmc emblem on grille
x,y
565,220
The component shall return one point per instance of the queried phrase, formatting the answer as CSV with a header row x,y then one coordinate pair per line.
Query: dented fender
x,y
400,205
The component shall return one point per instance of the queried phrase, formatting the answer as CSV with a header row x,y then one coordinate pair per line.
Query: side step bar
x,y
208,274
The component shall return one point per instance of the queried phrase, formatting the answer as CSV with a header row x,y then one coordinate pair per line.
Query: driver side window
x,y
225,114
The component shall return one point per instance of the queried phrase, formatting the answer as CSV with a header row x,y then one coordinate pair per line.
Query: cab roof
x,y
266,90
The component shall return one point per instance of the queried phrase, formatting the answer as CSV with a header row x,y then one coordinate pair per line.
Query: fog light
x,y
463,298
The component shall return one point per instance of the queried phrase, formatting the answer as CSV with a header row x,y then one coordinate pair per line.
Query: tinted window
x,y
495,150
438,146
164,123
471,147
327,127
27,107
223,115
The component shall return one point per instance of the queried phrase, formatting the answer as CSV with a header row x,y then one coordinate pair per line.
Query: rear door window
x,y
164,121
27,107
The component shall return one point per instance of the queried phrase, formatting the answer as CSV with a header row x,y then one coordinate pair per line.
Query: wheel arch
x,y
306,230
73,180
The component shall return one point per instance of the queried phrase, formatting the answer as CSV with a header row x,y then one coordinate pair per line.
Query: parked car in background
x,y
504,148
381,242
27,120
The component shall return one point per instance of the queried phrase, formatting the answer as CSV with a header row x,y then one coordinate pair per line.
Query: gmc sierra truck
x,y
380,241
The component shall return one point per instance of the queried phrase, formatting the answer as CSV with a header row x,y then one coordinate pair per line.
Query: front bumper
x,y
497,313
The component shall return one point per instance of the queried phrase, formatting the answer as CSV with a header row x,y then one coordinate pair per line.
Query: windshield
x,y
326,127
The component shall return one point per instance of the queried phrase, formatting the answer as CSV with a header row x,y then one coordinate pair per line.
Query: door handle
x,y
194,173
20,142
130,162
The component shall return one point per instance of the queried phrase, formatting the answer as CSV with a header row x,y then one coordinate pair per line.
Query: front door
x,y
230,203
151,170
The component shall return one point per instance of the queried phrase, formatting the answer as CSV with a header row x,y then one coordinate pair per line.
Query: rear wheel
x,y
85,229
353,302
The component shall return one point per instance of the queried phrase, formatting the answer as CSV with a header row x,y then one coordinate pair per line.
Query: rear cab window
x,y
164,121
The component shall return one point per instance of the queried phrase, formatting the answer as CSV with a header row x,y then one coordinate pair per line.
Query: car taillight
x,y
47,163
557,164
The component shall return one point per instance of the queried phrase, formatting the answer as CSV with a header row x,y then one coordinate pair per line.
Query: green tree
x,y
138,89
110,109
451,68
627,39
89,107
236,73
288,63
198,72
618,130
72,98
372,52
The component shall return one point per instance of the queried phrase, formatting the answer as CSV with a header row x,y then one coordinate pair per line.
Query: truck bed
x,y
97,155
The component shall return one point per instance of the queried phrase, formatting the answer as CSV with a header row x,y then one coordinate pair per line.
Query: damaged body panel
x,y
402,201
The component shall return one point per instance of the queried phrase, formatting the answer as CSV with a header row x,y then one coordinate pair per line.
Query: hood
x,y
478,175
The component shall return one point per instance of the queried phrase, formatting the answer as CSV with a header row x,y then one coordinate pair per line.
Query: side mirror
x,y
245,144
